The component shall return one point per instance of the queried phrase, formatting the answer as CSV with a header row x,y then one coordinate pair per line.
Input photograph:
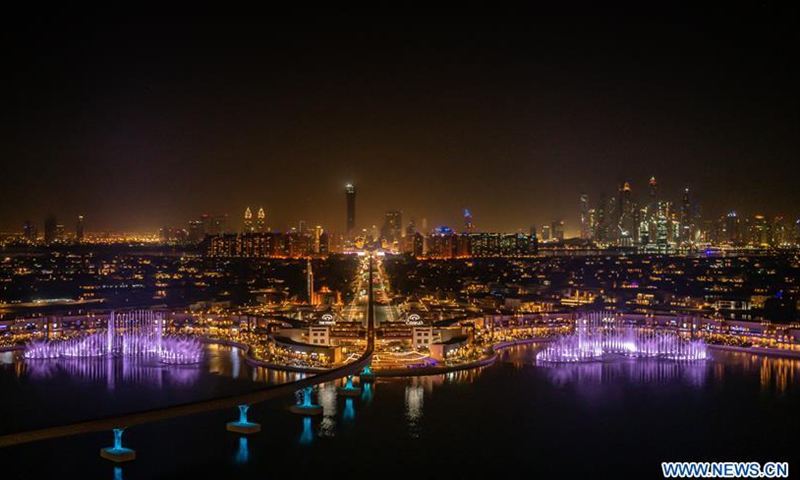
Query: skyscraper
x,y
249,226
350,195
686,218
393,226
312,300
50,226
545,233
29,232
79,229
469,227
625,216
558,230
261,221
585,224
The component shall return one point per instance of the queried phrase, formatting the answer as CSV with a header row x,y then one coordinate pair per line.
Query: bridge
x,y
232,402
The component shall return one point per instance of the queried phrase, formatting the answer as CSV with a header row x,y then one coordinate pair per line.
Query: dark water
x,y
617,419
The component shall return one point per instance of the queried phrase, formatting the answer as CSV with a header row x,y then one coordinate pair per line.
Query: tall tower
x,y
50,226
585,223
29,232
249,227
310,283
653,190
350,196
79,229
686,218
261,221
625,224
469,227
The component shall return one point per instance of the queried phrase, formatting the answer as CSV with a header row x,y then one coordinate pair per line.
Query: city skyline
x,y
573,222
513,120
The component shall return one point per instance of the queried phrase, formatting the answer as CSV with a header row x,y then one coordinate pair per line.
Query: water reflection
x,y
111,371
349,412
414,398
119,373
243,453
366,392
307,435
327,399
775,375
651,372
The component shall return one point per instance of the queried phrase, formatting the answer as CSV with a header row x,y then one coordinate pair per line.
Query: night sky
x,y
140,123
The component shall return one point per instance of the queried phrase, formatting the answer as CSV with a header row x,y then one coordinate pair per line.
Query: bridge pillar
x,y
304,405
243,426
118,453
366,375
348,390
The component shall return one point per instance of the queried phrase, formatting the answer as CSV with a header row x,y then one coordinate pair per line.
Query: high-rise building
x,y
350,196
392,229
317,237
410,228
585,223
558,230
195,232
214,224
249,224
625,217
760,234
602,218
50,229
546,233
261,221
797,231
312,298
687,220
79,229
469,227
29,232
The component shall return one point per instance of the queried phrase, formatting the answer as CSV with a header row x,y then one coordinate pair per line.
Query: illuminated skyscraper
x,y
687,222
249,226
585,223
797,231
393,226
625,217
195,233
79,229
558,230
29,232
312,300
261,221
545,233
350,195
469,227
732,229
317,237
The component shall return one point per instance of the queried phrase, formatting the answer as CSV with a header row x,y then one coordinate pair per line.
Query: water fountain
x,y
130,334
243,425
304,405
597,336
348,390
